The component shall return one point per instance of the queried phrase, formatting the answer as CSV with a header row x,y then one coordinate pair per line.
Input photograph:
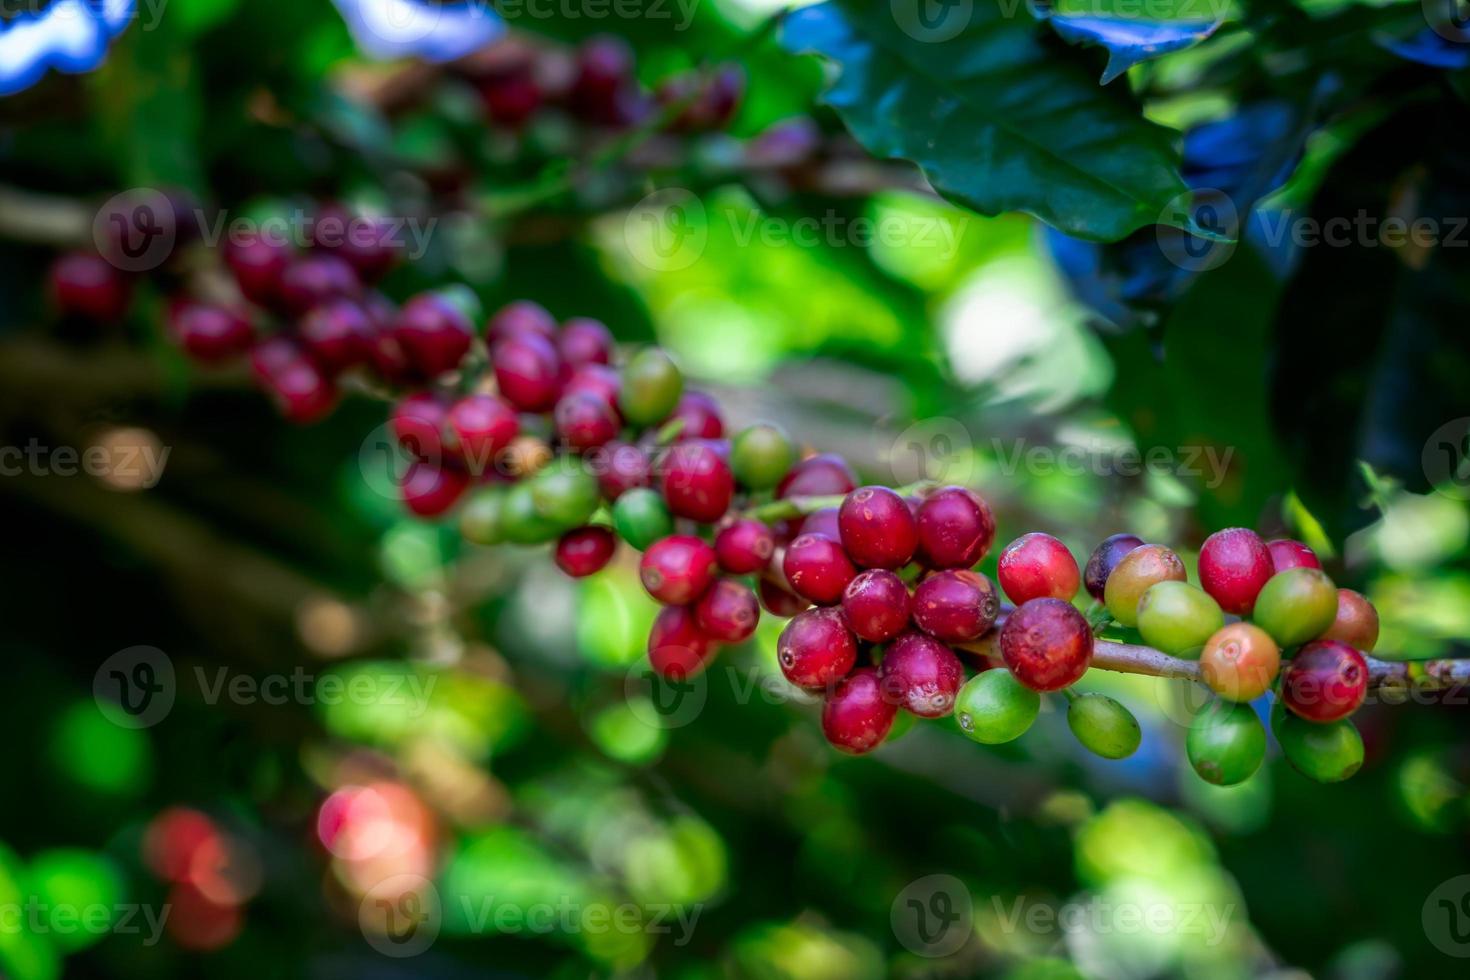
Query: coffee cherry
x,y
678,569
1135,574
585,550
816,649
1226,743
258,262
921,675
700,415
728,612
366,242
761,455
565,493
697,482
518,318
300,390
1178,618
1046,644
418,422
677,648
598,380
745,546
641,517
481,519
620,467
524,456
817,568
824,475
1356,623
710,102
877,528
993,707
856,718
1287,554
1326,753
876,604
313,280
1325,681
430,490
337,335
583,340
477,428
600,92
651,386
1104,559
585,421
778,601
1103,726
87,285
1036,566
1234,565
434,334
955,606
511,95
955,528
1240,662
825,522
520,522
1297,605
209,333
528,372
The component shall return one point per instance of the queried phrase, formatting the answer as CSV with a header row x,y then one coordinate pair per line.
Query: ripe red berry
x,y
955,528
258,262
956,606
1325,681
823,475
877,528
855,717
365,242
1046,644
603,89
302,393
1104,559
430,490
585,550
87,285
1234,565
697,482
745,546
520,317
595,379
816,649
337,335
677,648
700,414
817,568
1287,554
583,340
209,333
434,334
826,522
728,612
921,674
678,569
418,422
1035,566
778,601
1356,623
477,428
585,421
620,467
528,370
511,96
312,280
876,604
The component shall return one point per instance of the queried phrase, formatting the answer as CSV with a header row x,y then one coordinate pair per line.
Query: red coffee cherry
x,y
518,318
604,91
921,675
302,393
677,648
417,422
1234,565
313,280
258,262
585,421
816,649
745,547
337,335
700,414
1287,554
1046,644
778,601
955,528
878,530
595,379
1104,559
1325,681
817,476
955,606
87,285
697,482
855,717
477,429
1356,623
825,522
677,570
728,611
210,334
511,95
430,490
1037,566
528,371
620,467
434,334
876,604
583,340
817,568
585,550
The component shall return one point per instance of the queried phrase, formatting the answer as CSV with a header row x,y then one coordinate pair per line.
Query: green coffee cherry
x,y
520,523
1103,726
651,388
1297,605
1326,753
566,493
1178,618
993,707
1226,743
761,455
480,520
641,517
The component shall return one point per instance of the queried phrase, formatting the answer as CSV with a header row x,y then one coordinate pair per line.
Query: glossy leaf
x,y
1128,40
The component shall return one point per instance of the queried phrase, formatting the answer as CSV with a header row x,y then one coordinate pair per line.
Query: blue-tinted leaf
x,y
69,36
1128,40
1430,47
411,28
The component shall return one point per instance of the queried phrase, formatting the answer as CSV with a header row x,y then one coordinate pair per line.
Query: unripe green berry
x,y
761,455
1296,605
565,493
1326,753
1226,743
520,523
641,517
993,707
1178,618
480,520
1103,726
651,388
1134,575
